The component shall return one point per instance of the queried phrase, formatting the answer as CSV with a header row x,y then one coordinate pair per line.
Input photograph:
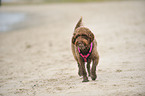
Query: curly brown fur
x,y
83,38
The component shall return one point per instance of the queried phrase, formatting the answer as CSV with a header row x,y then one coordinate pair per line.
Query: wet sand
x,y
37,60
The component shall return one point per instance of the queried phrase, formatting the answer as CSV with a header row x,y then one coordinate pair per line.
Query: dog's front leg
x,y
84,73
88,66
79,70
93,70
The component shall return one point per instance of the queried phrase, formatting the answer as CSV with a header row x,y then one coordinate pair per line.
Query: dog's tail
x,y
79,23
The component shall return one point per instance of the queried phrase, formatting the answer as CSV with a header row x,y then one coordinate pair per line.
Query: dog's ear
x,y
75,35
73,40
91,36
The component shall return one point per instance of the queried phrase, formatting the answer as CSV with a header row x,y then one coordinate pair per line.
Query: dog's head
x,y
82,38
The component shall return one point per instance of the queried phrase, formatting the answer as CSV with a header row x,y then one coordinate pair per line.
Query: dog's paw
x,y
86,80
93,77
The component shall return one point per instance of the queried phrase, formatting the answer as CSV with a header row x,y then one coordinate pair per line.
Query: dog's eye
x,y
85,37
77,36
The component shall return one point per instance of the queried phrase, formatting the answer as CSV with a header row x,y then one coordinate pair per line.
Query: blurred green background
x,y
11,2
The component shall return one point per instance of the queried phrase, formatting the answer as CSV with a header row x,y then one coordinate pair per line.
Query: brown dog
x,y
84,48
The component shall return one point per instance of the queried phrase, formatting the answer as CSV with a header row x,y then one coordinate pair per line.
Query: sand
x,y
37,60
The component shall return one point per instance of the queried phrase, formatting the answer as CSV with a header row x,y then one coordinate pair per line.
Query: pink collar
x,y
85,57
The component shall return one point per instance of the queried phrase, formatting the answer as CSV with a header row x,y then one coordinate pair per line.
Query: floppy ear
x,y
73,40
91,36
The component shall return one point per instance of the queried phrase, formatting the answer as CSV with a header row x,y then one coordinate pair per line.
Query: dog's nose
x,y
81,45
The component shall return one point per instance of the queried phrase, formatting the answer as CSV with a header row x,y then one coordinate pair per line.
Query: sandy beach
x,y
36,59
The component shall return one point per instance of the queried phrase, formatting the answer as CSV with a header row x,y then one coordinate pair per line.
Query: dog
x,y
84,49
